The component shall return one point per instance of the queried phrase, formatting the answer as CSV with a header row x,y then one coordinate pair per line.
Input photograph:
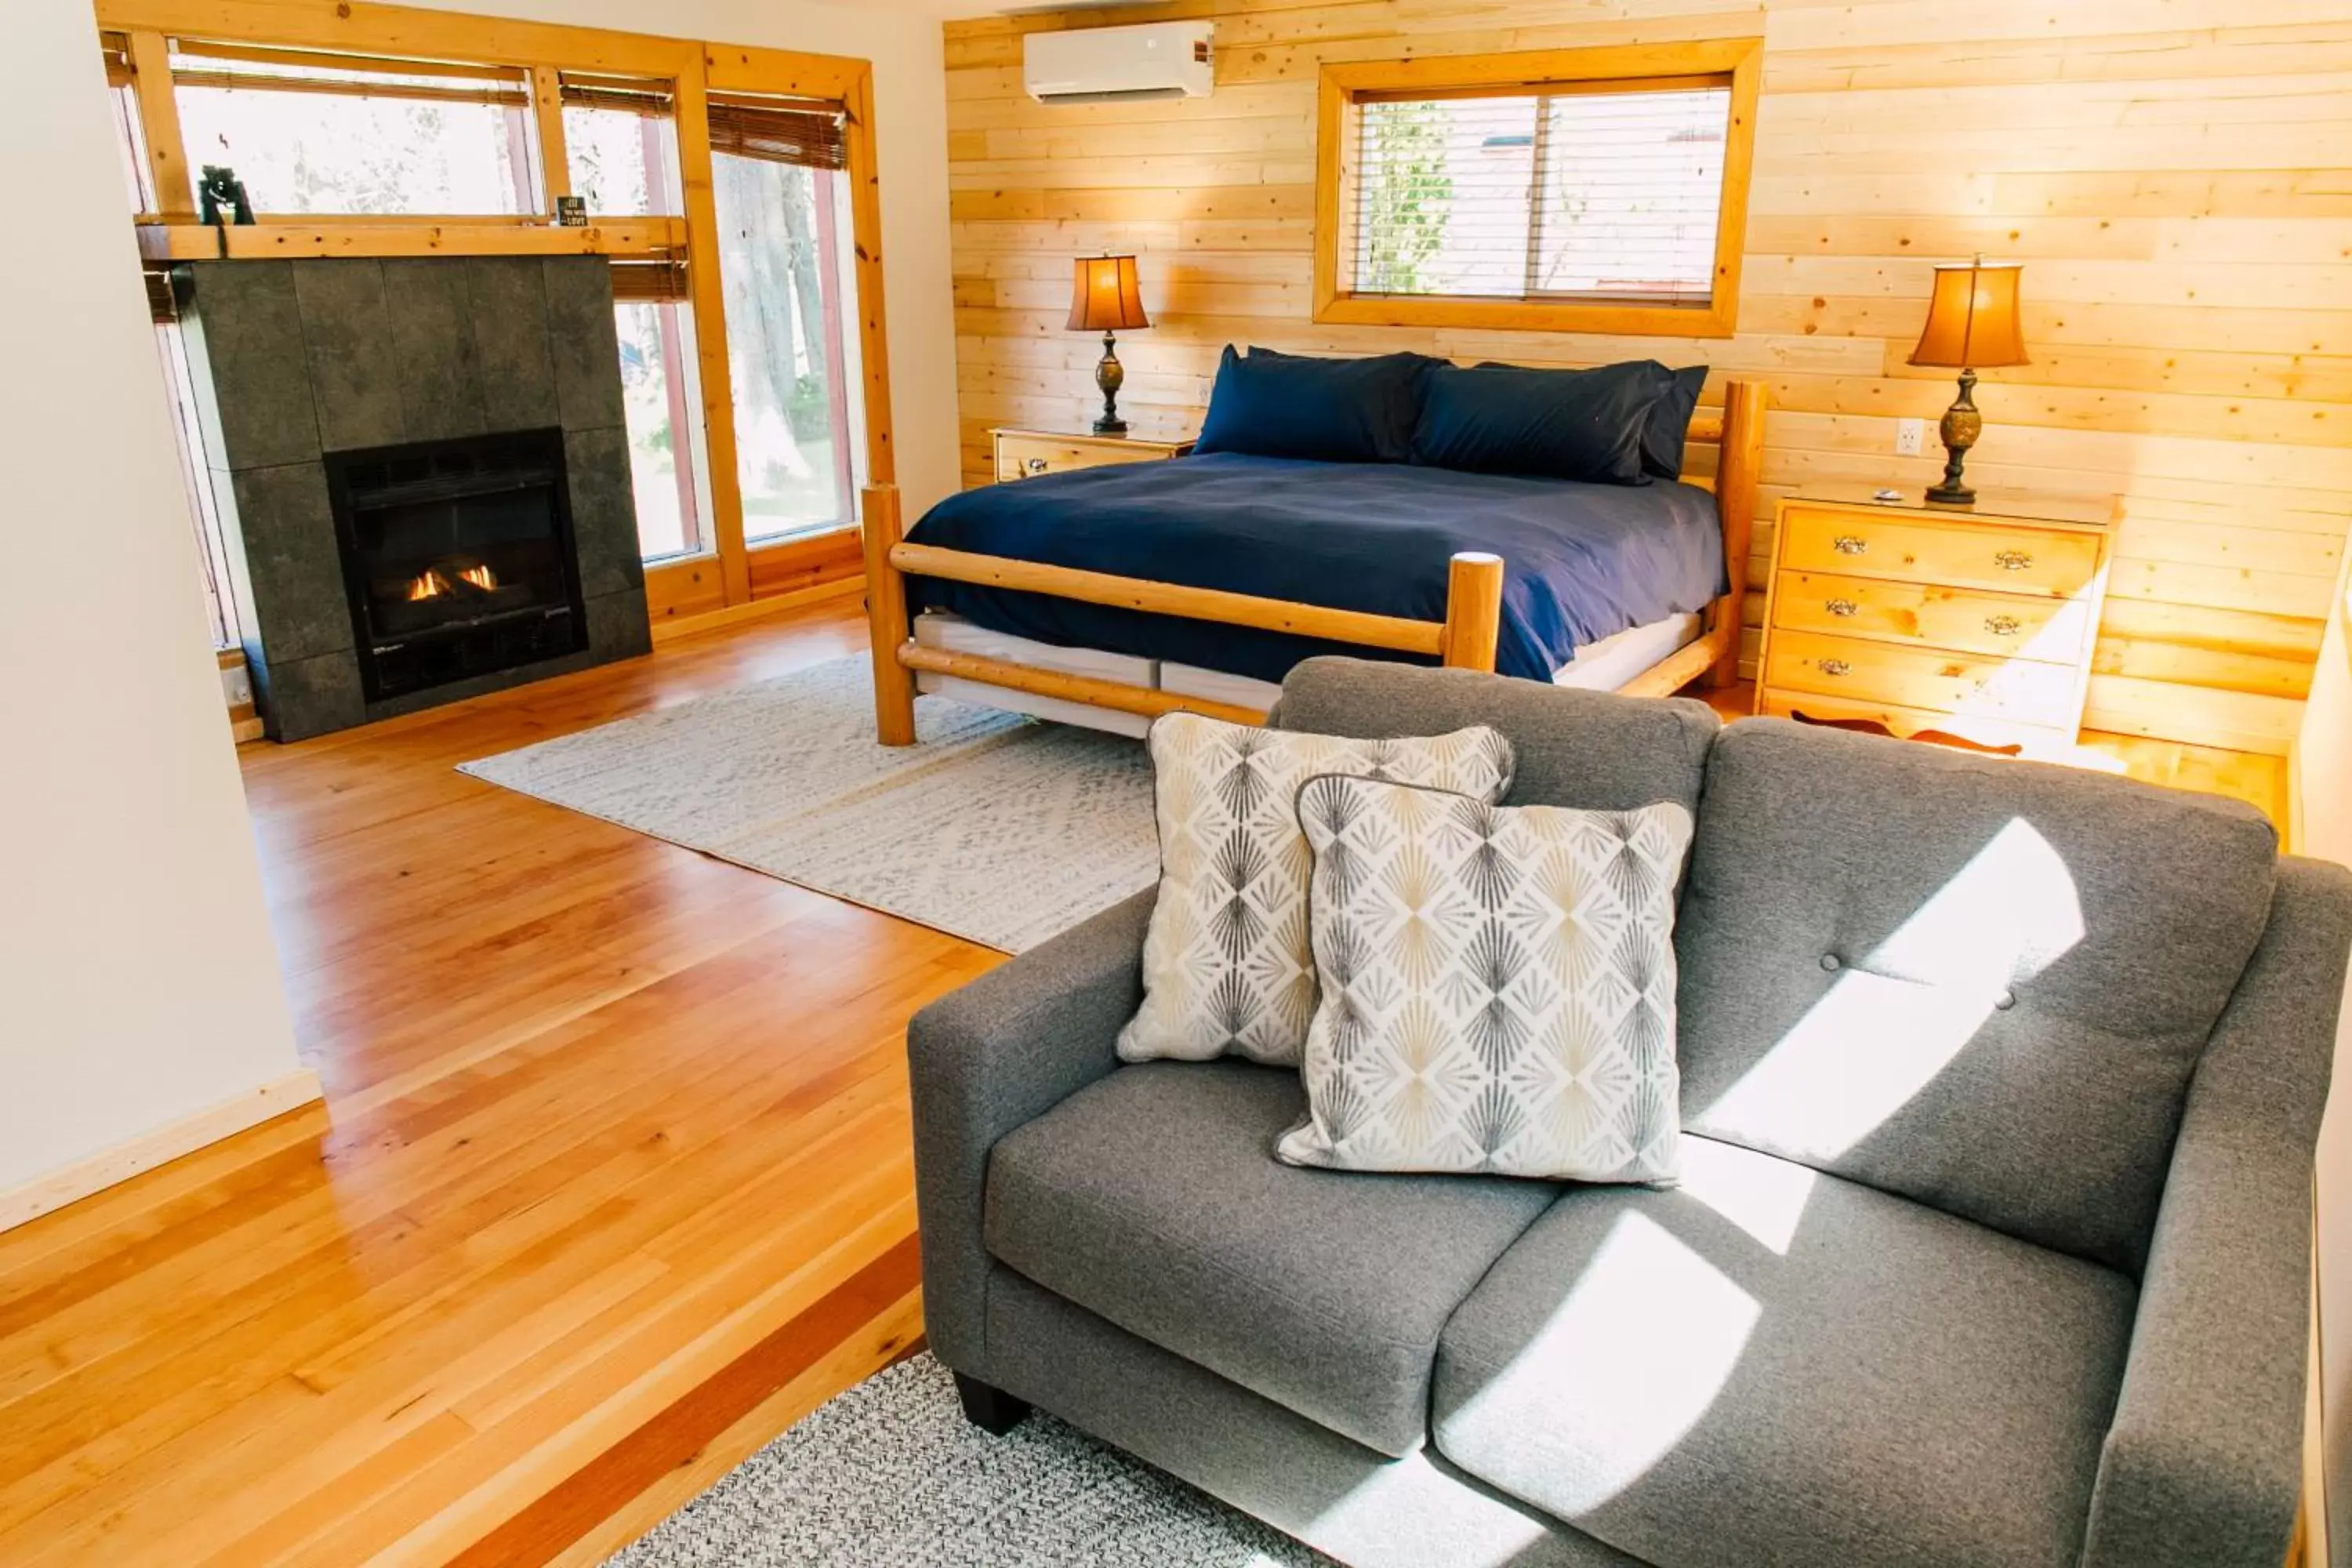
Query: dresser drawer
x,y
2021,690
2011,625
1026,457
1968,554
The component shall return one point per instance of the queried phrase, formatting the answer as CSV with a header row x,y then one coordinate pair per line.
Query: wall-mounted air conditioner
x,y
1118,65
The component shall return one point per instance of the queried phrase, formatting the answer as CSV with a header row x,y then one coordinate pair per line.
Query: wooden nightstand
x,y
1025,454
1976,622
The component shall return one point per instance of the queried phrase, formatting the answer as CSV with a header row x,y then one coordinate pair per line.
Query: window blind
x,y
627,95
1601,195
781,131
160,305
261,69
645,282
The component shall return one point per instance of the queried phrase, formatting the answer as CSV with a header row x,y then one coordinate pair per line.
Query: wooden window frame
x,y
727,576
1736,62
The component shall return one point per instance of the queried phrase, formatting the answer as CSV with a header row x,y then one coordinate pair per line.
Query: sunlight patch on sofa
x,y
1763,1196
1650,1332
1901,1015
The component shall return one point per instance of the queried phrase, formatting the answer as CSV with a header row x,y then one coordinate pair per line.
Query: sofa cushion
x,y
1153,1198
1591,749
1978,982
1826,1374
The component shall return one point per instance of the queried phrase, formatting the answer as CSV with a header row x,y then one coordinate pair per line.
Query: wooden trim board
x,y
55,1189
671,629
650,239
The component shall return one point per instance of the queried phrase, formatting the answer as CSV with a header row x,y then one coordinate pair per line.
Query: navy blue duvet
x,y
1584,561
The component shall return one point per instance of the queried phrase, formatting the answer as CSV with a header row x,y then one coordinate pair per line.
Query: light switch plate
x,y
1910,437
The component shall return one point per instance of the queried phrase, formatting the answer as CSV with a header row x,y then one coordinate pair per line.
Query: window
x,y
122,104
1600,190
204,511
783,207
659,397
314,135
620,137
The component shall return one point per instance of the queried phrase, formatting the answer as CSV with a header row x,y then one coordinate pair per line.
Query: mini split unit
x,y
1118,65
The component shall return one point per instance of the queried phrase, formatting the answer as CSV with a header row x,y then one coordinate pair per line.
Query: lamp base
x,y
1959,429
1109,375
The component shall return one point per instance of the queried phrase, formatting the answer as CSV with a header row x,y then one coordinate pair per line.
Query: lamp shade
x,y
1972,318
1104,297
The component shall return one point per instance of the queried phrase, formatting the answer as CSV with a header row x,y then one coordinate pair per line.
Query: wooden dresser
x,y
1976,622
1025,454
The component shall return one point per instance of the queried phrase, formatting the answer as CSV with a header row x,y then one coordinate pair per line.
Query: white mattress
x,y
1606,665
935,628
1598,667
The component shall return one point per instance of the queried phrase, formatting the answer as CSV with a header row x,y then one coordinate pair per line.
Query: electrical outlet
x,y
1910,437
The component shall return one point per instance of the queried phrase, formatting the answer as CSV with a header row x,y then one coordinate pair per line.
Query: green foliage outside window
x,y
1407,196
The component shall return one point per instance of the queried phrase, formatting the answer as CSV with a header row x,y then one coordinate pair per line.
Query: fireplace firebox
x,y
458,558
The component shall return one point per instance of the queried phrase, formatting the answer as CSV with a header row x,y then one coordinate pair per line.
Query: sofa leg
x,y
992,1410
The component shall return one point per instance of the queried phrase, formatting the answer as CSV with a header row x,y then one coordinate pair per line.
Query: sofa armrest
x,y
2203,1464
986,1059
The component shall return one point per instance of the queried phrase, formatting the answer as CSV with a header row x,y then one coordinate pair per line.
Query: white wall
x,y
911,136
2323,779
137,985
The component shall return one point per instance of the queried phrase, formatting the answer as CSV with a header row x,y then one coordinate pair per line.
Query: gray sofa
x,y
2000,1084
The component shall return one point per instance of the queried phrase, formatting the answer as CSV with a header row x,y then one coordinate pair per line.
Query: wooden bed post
x,y
1474,610
886,619
1740,458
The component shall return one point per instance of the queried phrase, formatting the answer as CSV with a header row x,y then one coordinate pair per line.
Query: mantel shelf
x,y
647,238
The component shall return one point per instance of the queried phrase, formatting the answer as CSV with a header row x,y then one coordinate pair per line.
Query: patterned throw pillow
x,y
1497,987
1227,969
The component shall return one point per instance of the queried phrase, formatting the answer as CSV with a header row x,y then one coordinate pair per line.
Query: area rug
x,y
993,828
891,1474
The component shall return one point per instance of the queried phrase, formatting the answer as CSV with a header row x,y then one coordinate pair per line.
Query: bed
x,y
1111,595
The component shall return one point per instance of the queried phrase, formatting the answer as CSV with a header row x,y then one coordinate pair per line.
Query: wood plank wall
x,y
2177,177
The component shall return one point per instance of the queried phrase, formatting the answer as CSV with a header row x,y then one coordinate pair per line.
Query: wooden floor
x,y
613,1171
611,1183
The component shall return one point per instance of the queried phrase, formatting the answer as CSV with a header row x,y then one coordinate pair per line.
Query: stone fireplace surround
x,y
296,358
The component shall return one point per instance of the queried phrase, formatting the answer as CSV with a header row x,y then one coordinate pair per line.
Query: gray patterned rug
x,y
993,828
891,1475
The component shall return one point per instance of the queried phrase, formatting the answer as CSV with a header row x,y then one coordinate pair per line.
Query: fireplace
x,y
458,558
422,469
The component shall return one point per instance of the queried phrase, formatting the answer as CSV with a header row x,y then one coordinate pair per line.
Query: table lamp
x,y
1971,325
1104,298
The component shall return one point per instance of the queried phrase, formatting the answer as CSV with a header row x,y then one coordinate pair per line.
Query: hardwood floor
x,y
610,1184
612,1172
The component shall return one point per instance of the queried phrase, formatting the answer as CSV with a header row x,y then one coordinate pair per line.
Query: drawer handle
x,y
1835,667
2004,626
1849,544
1839,606
1033,465
2012,560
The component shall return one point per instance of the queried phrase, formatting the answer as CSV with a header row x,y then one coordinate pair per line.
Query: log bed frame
x,y
1464,640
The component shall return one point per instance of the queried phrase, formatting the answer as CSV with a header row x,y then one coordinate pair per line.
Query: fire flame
x,y
432,582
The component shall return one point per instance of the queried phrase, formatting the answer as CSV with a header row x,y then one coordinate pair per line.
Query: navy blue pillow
x,y
1664,438
1333,410
1543,424
1669,425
